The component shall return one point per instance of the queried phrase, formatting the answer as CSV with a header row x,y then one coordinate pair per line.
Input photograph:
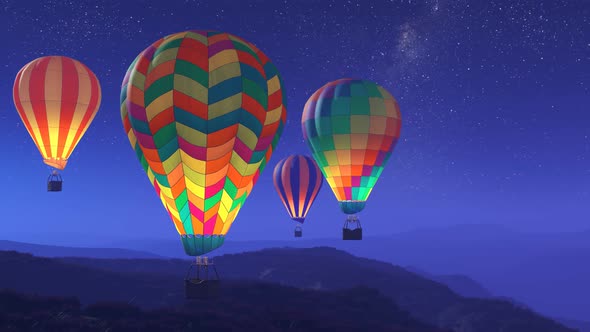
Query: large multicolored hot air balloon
x,y
298,180
352,126
57,98
205,110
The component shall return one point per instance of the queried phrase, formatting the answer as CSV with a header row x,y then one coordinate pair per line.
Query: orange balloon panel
x,y
57,98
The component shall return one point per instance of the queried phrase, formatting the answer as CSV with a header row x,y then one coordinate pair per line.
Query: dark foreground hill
x,y
157,283
243,307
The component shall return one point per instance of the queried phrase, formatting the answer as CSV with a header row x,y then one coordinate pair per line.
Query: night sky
x,y
494,95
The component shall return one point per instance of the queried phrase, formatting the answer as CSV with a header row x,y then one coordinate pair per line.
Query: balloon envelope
x,y
206,109
298,181
352,126
57,98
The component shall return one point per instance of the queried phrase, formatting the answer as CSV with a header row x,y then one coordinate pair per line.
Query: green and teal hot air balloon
x,y
351,126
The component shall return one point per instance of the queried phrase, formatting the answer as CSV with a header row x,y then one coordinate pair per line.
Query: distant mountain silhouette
x,y
493,255
330,269
59,251
543,270
468,287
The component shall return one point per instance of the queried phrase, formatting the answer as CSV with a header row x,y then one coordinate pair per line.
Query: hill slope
x,y
330,269
529,267
460,284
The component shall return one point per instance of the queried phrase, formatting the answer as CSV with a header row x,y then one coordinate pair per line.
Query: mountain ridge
x,y
330,269
45,250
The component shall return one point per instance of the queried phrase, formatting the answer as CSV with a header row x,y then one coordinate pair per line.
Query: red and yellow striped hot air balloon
x,y
57,98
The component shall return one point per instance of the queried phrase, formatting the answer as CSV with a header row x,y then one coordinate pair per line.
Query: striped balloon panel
x,y
207,110
298,180
352,126
57,98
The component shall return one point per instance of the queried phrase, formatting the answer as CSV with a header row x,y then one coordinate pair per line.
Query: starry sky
x,y
494,97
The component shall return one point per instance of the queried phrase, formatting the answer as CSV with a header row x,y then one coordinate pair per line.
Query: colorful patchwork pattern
x,y
352,126
57,98
206,110
131,136
298,180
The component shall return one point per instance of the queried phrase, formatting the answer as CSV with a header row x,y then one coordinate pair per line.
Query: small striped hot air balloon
x,y
57,98
352,126
204,111
298,181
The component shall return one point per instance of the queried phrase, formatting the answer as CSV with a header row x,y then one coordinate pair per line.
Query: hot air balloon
x,y
352,126
57,98
298,180
205,110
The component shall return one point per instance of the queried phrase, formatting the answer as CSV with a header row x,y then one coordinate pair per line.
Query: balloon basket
x,y
298,232
54,182
198,284
352,229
